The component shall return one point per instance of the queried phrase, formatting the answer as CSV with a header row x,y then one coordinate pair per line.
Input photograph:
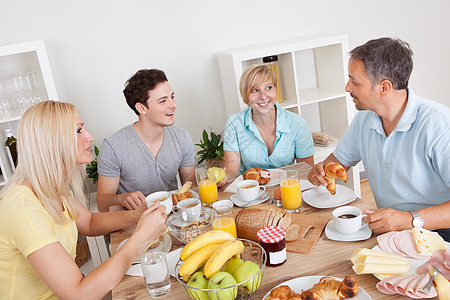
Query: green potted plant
x,y
211,149
91,169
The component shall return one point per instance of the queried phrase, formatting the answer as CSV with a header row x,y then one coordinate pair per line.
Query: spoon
x,y
435,272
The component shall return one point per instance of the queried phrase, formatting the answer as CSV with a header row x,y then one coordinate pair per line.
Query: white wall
x,y
95,46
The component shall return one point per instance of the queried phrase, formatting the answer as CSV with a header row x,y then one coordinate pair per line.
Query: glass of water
x,y
155,268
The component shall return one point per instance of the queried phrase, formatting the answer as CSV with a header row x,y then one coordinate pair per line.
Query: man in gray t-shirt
x,y
146,156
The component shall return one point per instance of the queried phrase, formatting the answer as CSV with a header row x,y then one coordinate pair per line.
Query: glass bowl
x,y
253,252
187,231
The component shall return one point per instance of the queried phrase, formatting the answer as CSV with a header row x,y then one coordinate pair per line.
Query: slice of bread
x,y
292,232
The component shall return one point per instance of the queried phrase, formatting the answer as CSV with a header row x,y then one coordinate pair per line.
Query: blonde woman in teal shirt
x,y
264,135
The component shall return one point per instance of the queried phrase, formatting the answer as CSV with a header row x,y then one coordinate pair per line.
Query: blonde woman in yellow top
x,y
41,213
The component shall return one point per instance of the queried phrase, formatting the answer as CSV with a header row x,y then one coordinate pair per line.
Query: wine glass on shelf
x,y
22,96
5,104
36,95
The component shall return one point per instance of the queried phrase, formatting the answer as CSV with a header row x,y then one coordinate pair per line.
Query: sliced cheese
x,y
428,242
370,252
442,286
368,259
381,269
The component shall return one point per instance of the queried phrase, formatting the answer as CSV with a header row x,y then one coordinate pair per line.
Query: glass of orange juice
x,y
207,186
225,218
291,195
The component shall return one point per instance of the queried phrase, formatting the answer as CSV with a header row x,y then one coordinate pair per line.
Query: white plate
x,y
307,282
274,181
238,202
167,244
332,233
320,197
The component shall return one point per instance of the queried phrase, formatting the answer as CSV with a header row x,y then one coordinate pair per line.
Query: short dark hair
x,y
137,87
386,58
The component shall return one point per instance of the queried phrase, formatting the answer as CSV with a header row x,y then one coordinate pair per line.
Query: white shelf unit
x,y
15,59
313,74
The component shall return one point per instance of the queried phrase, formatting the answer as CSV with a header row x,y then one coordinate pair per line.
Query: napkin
x,y
306,185
232,188
135,270
172,259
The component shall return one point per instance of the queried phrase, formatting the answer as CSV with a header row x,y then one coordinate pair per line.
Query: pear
x,y
216,173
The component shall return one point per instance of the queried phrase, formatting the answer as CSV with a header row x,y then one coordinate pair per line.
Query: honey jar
x,y
272,239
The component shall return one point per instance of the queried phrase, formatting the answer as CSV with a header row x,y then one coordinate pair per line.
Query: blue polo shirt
x,y
409,169
293,139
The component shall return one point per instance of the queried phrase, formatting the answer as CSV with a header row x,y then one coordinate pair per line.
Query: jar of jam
x,y
272,239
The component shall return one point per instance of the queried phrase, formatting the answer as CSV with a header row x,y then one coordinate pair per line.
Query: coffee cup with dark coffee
x,y
348,219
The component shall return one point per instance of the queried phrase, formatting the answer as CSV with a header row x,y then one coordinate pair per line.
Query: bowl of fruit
x,y
217,266
186,231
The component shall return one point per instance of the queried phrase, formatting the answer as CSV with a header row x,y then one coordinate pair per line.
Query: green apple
x,y
232,265
198,281
222,280
244,272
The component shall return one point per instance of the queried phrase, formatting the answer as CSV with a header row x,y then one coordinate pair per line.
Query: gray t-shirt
x,y
124,154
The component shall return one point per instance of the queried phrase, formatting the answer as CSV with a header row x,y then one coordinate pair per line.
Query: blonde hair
x,y
47,157
253,77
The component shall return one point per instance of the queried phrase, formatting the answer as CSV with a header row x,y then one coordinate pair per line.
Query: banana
x,y
207,238
197,260
221,256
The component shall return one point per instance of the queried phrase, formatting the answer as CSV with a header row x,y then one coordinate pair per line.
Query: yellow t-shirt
x,y
26,226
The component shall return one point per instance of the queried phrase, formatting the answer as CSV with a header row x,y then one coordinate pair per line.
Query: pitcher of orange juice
x,y
207,186
291,195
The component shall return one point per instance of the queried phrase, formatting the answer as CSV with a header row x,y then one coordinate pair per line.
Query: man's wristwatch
x,y
417,219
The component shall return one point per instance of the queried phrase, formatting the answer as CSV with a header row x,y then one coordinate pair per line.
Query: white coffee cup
x,y
165,198
249,190
348,219
190,209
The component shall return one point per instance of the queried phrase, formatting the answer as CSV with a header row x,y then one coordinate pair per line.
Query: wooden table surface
x,y
328,258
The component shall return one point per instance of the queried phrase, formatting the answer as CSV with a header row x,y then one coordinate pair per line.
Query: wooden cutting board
x,y
311,227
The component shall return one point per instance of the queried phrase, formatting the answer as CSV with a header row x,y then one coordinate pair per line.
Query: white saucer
x,y
241,203
331,233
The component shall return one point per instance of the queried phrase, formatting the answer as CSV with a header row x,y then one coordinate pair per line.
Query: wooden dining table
x,y
327,258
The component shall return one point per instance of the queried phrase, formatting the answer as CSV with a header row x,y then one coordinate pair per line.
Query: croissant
x,y
333,171
180,196
283,292
253,173
328,288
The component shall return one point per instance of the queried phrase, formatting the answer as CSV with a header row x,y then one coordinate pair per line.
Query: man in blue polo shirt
x,y
403,141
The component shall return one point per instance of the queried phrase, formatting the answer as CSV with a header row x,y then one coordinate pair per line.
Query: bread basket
x,y
253,252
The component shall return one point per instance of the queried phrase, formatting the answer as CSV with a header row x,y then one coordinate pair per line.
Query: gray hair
x,y
386,58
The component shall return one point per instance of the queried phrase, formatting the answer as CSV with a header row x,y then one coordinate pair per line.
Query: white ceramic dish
x,y
331,232
307,282
166,240
320,197
238,202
